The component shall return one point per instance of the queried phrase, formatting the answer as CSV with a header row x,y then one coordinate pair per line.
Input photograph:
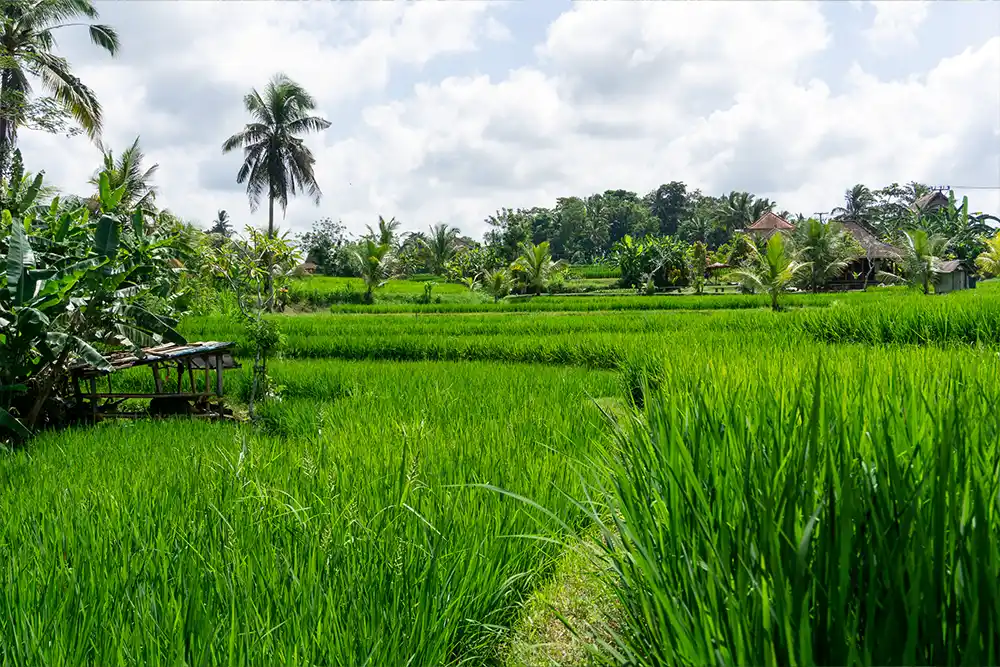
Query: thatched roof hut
x,y
874,249
930,202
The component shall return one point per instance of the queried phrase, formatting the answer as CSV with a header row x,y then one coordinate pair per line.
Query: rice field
x,y
813,486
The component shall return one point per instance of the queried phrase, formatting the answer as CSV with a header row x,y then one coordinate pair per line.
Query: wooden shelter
x,y
200,364
951,276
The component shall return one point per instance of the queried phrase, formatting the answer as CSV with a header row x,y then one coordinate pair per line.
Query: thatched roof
x,y
770,222
873,248
930,201
950,266
717,265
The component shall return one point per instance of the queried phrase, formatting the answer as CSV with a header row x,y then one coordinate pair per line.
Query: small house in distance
x,y
951,276
768,224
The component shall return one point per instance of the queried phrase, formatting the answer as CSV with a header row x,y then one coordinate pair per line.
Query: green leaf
x,y
19,257
91,356
106,237
30,194
12,424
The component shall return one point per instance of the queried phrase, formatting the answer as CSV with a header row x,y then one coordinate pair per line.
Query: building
x,y
951,276
930,202
768,224
879,256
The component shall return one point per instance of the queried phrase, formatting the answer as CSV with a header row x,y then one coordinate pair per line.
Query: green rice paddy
x,y
814,486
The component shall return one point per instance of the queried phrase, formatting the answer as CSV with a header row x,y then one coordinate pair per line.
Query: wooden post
x,y
218,375
191,375
157,379
180,376
207,371
93,398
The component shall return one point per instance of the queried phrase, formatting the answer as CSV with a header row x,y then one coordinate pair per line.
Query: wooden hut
x,y
951,276
879,256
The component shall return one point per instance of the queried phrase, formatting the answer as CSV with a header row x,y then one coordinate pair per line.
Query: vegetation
x,y
276,162
507,452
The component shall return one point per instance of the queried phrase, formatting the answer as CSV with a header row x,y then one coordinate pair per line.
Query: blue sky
x,y
448,111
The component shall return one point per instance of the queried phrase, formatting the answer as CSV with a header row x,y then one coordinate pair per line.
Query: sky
x,y
448,111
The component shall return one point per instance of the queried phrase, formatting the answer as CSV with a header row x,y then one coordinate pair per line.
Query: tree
x,y
376,262
772,271
322,245
497,283
921,258
859,203
254,268
221,226
988,261
535,267
669,205
825,248
26,52
440,246
386,234
128,172
698,263
276,162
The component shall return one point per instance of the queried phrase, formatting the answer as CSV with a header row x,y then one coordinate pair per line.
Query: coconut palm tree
x,y
858,204
386,234
441,245
377,264
27,41
128,170
498,283
826,248
772,271
988,261
221,225
535,267
276,162
922,254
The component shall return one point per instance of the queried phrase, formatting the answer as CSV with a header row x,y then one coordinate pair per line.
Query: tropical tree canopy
x,y
772,271
27,42
276,162
127,171
827,250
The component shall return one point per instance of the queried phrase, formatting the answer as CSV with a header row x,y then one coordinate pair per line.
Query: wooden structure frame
x,y
195,360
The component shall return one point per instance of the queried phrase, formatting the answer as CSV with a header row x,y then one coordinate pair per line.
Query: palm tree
x,y
922,254
441,245
826,248
276,161
386,234
988,261
771,272
498,283
221,226
376,261
26,45
535,267
858,204
127,170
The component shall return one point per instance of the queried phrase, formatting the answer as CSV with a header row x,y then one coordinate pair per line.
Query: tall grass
x,y
347,533
774,513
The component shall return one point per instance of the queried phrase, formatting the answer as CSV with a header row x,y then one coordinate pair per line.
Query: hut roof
x,y
930,201
159,354
873,247
950,266
717,265
770,221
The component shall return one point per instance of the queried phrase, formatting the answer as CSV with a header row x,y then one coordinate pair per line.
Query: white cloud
x,y
720,95
896,23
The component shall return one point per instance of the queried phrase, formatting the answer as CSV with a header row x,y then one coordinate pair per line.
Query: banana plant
x,y
86,290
